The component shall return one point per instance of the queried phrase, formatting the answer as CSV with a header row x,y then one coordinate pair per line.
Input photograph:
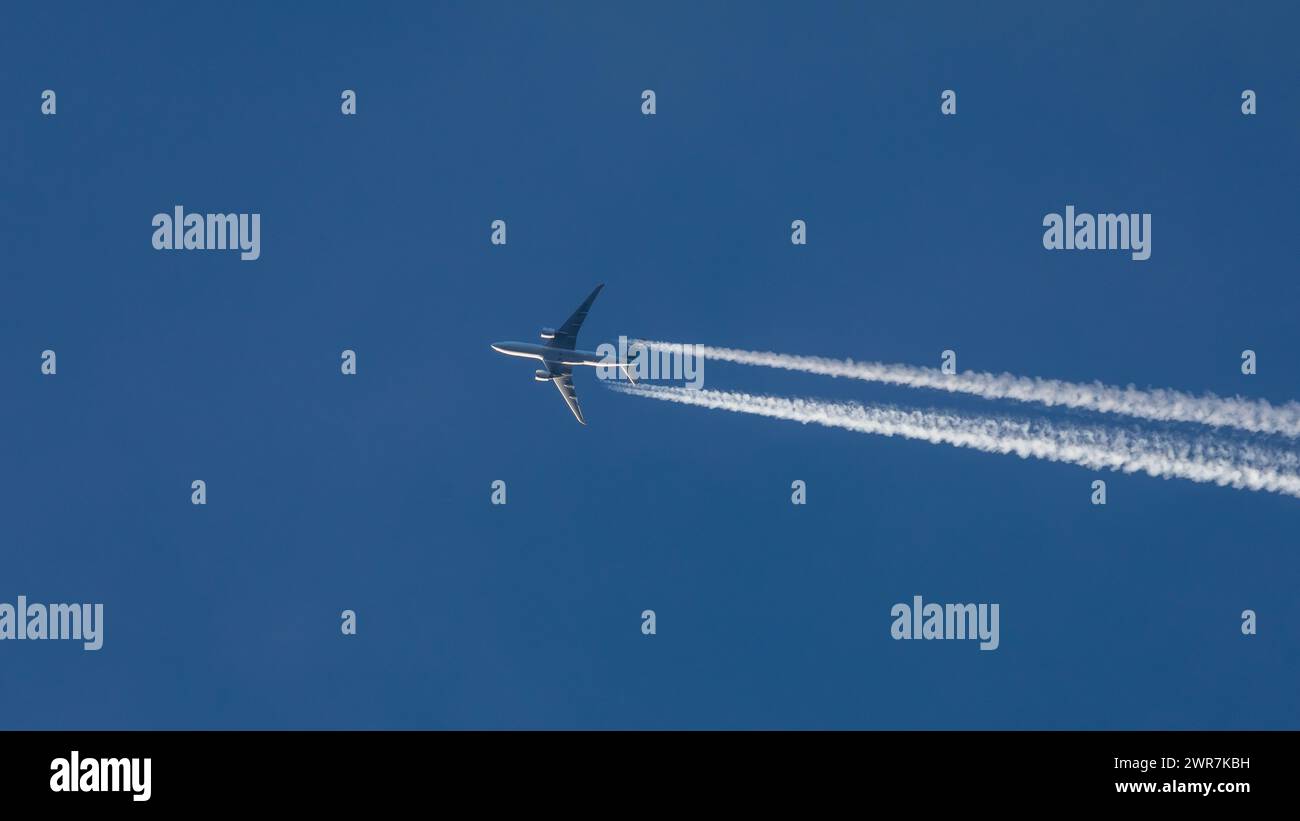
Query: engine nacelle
x,y
548,333
543,376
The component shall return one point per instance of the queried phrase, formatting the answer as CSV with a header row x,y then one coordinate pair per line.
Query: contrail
x,y
1157,404
1238,465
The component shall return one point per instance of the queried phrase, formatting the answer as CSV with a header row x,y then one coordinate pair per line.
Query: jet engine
x,y
548,333
543,376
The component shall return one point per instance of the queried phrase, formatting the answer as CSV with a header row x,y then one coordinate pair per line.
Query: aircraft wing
x,y
565,385
566,336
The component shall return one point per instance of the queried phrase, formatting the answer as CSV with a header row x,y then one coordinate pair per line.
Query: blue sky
x,y
371,492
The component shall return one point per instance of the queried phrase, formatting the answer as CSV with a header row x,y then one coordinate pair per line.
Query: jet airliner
x,y
560,354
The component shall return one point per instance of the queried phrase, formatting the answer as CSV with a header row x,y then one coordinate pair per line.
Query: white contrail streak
x,y
1156,404
1238,465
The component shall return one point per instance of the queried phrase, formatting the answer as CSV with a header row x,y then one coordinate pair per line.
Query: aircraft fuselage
x,y
550,355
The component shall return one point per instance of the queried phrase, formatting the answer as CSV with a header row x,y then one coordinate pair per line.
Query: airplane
x,y
560,354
